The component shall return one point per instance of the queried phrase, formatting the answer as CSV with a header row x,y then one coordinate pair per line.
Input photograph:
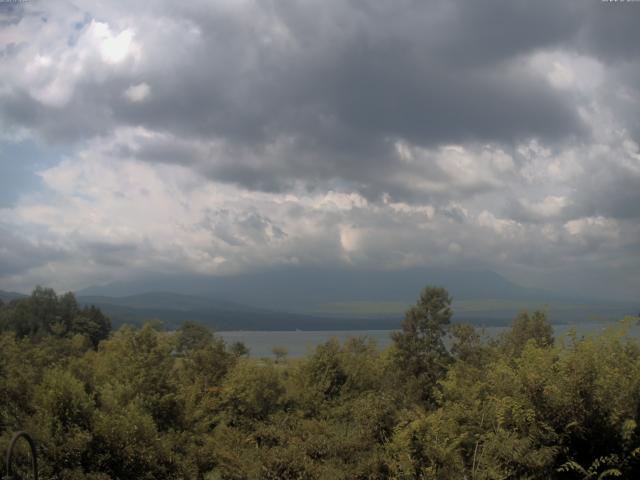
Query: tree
x,y
239,349
46,314
419,348
525,327
467,344
62,422
32,316
91,323
251,393
193,336
280,353
323,373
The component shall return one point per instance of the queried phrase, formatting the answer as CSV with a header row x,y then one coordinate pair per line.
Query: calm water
x,y
299,343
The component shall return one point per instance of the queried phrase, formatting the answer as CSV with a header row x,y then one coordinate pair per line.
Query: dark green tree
x,y
420,352
46,314
526,327
468,345
251,392
192,336
91,323
324,371
33,316
239,349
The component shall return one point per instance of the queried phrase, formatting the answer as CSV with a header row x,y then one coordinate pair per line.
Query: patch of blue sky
x,y
19,166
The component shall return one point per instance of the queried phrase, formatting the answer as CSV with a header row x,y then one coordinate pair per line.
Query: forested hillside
x,y
140,403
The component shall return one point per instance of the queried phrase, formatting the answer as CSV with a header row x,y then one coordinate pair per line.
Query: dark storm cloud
x,y
623,95
611,31
80,119
335,79
349,74
344,84
611,191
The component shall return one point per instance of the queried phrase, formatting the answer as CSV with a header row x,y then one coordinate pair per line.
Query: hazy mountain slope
x,y
301,286
8,296
173,309
333,298
164,301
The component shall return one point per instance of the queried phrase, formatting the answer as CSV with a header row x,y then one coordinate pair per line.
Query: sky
x,y
219,137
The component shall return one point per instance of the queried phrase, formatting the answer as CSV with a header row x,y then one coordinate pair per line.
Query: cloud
x,y
228,136
341,87
137,93
117,218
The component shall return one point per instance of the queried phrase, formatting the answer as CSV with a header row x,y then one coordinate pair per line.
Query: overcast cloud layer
x,y
225,136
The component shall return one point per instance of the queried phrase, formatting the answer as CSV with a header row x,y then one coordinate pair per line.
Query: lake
x,y
300,342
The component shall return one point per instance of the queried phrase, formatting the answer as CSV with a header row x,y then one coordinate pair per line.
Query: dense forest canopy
x,y
44,313
140,403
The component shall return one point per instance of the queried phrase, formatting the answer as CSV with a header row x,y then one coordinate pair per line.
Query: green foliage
x,y
92,323
63,415
419,346
146,404
525,328
603,467
46,314
323,373
239,349
251,392
192,336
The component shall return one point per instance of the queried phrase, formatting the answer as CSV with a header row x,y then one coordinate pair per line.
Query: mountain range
x,y
303,286
326,299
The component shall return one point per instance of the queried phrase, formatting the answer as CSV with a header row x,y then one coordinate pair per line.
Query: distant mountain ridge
x,y
173,309
326,299
8,296
163,300
298,286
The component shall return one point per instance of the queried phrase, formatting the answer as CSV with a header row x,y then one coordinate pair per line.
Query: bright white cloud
x,y
549,207
593,227
568,71
501,226
138,93
350,238
113,48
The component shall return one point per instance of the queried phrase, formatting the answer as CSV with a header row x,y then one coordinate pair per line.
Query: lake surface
x,y
299,342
